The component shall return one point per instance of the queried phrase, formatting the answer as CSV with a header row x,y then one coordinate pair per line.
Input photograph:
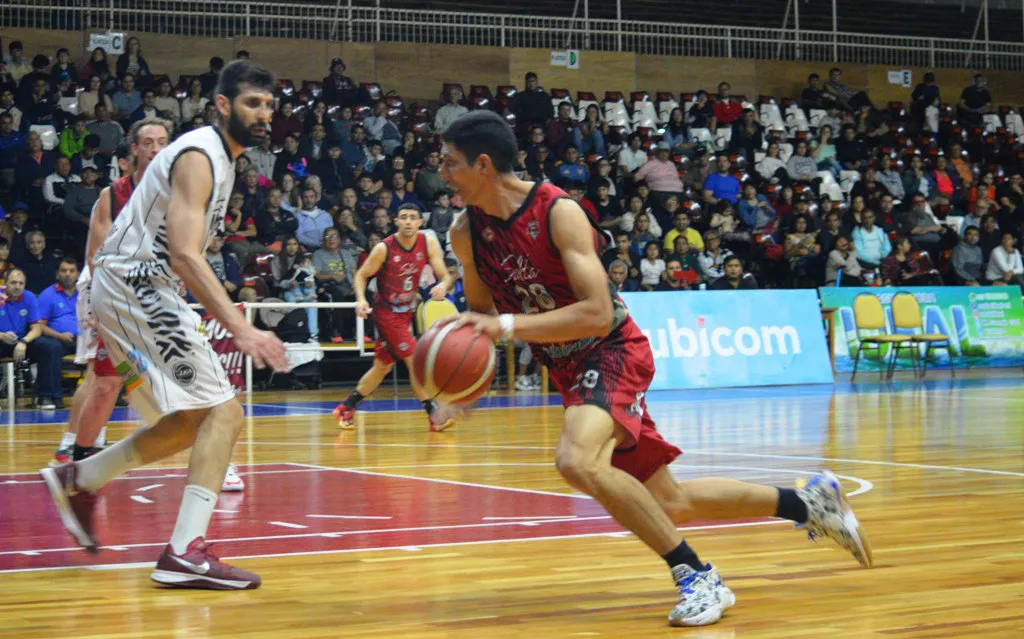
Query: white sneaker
x,y
830,515
232,482
703,597
535,381
524,383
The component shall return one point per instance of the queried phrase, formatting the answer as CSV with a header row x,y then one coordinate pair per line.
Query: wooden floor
x,y
938,470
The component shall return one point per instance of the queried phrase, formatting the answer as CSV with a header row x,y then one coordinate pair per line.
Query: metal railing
x,y
347,22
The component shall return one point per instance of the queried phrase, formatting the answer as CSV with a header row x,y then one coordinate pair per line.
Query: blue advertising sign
x,y
711,339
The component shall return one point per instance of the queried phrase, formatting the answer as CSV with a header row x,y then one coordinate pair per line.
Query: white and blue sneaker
x,y
703,597
830,515
232,482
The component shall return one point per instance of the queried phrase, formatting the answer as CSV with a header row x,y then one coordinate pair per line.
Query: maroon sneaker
x,y
346,416
74,505
198,567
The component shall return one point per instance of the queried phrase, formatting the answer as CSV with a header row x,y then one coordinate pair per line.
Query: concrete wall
x,y
417,71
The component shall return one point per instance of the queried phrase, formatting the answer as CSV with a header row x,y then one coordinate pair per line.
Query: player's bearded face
x,y
248,121
250,134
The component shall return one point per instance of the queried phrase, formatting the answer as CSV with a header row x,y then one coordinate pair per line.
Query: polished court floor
x,y
392,531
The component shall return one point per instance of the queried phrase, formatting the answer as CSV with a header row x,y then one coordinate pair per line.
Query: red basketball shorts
x,y
394,335
615,376
103,366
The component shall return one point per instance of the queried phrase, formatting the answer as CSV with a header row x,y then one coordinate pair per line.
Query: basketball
x,y
453,364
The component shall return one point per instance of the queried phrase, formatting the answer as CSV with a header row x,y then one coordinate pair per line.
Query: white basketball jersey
x,y
136,247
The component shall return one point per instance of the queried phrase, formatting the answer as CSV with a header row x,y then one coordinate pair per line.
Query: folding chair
x,y
869,316
906,314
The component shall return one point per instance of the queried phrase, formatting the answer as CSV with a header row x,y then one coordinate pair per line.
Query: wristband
x,y
507,321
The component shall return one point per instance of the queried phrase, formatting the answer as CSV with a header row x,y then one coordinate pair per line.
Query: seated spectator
x,y
721,185
577,191
670,278
196,101
812,97
747,136
618,273
631,218
312,221
851,153
8,106
924,231
17,64
72,139
712,260
870,241
59,325
622,249
603,175
802,251
730,228
57,184
132,63
870,126
15,230
824,151
19,317
367,192
941,180
335,268
631,158
348,227
698,172
984,191
79,202
90,156
609,212
291,160
148,109
263,159
846,97
167,104
890,179
675,132
380,127
295,280
975,217
1010,193
701,114
13,144
403,192
690,270
571,168
975,101
735,278
441,216
1004,264
316,115
274,224
451,111
652,266
901,268
340,89
926,94
39,265
682,228
828,236
801,167
239,229
127,99
991,236
333,171
588,139
967,259
842,264
376,165
381,223
756,212
542,167
771,168
5,262
31,169
869,189
726,109
106,129
643,232
532,105
428,180
914,180
209,79
559,130
314,147
225,267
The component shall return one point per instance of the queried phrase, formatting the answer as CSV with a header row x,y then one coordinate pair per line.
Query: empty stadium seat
x,y
285,87
558,96
645,115
372,89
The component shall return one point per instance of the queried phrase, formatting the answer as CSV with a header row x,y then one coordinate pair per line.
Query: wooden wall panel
x,y
417,72
599,71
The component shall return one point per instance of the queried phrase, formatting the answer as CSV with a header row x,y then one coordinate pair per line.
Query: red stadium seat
x,y
372,89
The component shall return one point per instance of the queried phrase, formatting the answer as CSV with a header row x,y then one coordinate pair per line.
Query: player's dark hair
x,y
247,73
408,206
123,150
484,133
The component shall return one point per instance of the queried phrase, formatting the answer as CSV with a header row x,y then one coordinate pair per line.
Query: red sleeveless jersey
x,y
120,192
398,280
518,261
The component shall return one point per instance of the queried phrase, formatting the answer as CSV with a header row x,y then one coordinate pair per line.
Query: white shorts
x,y
88,336
154,342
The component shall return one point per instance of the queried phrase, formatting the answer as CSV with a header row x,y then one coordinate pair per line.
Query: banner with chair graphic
x,y
887,329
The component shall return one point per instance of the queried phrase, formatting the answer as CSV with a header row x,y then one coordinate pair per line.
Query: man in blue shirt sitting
x,y
721,185
19,314
58,321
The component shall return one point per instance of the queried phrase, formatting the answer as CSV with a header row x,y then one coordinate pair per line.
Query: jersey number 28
x,y
535,298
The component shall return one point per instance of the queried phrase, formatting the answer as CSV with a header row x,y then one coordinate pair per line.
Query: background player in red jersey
x,y
397,263
528,252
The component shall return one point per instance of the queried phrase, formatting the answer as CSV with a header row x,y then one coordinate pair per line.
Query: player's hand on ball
x,y
265,349
438,293
484,324
363,309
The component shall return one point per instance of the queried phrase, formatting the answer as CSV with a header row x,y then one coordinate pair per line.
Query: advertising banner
x,y
984,325
712,339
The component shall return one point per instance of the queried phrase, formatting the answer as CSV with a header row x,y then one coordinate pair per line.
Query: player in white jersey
x,y
172,374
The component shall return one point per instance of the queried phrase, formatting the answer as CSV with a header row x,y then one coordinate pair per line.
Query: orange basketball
x,y
454,365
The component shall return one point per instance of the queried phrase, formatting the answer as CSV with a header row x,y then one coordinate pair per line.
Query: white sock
x,y
67,441
194,517
94,472
101,439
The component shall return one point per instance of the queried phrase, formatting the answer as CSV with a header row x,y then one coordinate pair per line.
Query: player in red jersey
x,y
96,396
529,253
397,262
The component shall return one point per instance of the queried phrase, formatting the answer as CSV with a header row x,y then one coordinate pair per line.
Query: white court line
x,y
531,518
864,484
149,564
841,460
286,524
172,475
141,499
346,517
145,488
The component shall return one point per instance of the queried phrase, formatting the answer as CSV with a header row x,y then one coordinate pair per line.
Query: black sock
x,y
791,506
354,399
683,554
428,405
80,452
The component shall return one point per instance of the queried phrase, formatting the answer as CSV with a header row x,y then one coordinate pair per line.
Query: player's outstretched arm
x,y
191,186
99,225
436,257
364,274
478,297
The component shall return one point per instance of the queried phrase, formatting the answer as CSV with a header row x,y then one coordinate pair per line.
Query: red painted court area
x,y
288,509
